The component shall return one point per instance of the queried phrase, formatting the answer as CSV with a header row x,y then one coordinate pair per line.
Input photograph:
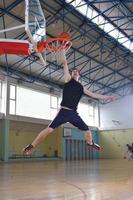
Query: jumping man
x,y
72,93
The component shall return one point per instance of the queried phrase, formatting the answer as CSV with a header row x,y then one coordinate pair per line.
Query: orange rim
x,y
48,44
56,48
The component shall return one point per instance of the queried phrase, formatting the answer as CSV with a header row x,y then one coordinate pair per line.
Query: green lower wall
x,y
4,133
114,142
75,148
21,134
1,139
19,137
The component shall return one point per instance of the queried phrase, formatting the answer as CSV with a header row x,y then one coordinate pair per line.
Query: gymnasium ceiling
x,y
106,65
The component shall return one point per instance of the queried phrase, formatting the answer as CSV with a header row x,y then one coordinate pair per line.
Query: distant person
x,y
129,152
132,147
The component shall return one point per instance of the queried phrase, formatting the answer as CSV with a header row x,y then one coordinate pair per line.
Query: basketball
x,y
65,35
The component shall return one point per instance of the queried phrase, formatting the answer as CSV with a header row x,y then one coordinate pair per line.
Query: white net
x,y
59,55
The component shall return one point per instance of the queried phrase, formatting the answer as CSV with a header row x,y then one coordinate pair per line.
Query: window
x,y
12,109
89,113
96,116
54,102
53,106
12,92
104,24
0,95
59,101
32,103
84,112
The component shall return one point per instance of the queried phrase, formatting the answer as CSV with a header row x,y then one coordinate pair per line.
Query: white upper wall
x,y
117,114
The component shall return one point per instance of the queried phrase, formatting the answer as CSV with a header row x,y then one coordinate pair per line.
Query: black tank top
x,y
72,93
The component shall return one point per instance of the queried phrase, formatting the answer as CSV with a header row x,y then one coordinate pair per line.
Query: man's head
x,y
75,74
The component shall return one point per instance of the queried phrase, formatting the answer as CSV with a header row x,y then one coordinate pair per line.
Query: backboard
x,y
35,25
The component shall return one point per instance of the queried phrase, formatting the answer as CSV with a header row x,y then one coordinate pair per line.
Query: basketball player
x,y
72,92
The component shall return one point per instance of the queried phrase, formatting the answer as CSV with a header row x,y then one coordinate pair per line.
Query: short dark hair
x,y
76,70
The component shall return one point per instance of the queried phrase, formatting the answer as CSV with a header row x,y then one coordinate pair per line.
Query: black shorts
x,y
70,116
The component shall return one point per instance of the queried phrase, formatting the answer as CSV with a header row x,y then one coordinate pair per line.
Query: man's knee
x,y
50,130
87,132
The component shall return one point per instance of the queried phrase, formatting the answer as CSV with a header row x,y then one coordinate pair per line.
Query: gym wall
x,y
114,142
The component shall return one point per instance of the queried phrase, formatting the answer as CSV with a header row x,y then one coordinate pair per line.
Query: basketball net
x,y
60,55
56,47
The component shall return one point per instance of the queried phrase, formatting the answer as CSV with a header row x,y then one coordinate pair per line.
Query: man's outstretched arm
x,y
67,75
98,96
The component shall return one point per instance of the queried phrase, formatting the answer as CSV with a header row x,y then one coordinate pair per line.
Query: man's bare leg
x,y
40,137
89,139
88,136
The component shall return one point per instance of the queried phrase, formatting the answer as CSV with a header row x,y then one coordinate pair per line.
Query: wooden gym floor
x,y
71,180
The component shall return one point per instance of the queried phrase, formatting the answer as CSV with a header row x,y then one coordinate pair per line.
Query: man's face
x,y
75,74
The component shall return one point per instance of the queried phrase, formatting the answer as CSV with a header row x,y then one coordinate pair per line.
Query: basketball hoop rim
x,y
57,48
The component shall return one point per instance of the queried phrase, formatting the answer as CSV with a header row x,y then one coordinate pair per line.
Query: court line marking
x,y
79,188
